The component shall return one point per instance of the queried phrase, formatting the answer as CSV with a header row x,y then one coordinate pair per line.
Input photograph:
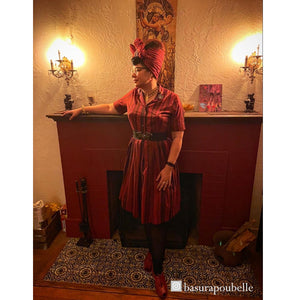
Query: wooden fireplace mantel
x,y
187,115
220,146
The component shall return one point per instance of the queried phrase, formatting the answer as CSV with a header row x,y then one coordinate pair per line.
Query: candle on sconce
x,y
246,61
72,64
58,54
257,49
51,63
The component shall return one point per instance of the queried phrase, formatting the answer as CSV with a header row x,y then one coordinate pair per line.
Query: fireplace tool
x,y
84,226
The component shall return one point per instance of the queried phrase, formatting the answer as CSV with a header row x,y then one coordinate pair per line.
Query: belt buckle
x,y
146,135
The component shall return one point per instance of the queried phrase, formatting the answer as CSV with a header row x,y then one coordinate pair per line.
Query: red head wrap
x,y
152,58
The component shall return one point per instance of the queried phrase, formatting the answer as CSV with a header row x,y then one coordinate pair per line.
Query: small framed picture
x,y
210,97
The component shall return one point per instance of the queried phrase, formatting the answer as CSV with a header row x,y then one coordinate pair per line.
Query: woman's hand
x,y
74,113
164,178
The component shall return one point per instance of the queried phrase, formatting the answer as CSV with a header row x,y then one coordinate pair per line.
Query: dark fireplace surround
x,y
222,148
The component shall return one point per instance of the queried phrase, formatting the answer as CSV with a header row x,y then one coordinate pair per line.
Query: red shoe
x,y
148,262
160,285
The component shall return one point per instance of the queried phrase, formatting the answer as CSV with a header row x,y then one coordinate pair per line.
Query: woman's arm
x,y
165,175
96,109
177,137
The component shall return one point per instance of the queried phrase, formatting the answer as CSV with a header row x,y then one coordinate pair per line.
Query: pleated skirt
x,y
139,194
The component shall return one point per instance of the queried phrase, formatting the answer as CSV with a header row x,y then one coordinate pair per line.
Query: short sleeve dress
x,y
145,158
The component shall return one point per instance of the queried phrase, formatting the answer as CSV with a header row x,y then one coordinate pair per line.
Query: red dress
x,y
145,159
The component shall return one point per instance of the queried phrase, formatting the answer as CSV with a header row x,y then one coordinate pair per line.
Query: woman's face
x,y
155,18
141,76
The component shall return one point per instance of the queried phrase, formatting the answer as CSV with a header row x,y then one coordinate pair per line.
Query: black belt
x,y
149,136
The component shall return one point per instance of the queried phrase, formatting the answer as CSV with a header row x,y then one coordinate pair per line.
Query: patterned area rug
x,y
193,269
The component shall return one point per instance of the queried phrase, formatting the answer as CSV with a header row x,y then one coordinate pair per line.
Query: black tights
x,y
156,237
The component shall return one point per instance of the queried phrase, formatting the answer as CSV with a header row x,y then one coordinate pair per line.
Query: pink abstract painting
x,y
210,97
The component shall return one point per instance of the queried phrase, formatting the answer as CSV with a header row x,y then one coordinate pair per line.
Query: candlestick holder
x,y
253,65
68,102
64,68
250,103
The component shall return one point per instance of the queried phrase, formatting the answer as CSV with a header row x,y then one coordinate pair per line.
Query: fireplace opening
x,y
182,229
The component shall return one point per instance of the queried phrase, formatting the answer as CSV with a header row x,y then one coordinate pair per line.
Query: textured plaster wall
x,y
207,30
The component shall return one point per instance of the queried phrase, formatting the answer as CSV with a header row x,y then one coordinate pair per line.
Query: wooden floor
x,y
42,290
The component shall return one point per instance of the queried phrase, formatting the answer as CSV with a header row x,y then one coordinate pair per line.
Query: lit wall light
x,y
253,60
68,56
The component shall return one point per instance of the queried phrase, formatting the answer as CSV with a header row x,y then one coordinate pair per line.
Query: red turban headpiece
x,y
152,58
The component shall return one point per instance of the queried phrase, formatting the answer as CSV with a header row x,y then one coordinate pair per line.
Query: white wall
x,y
207,30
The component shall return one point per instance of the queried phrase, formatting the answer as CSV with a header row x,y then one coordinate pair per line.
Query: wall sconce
x,y
253,65
64,68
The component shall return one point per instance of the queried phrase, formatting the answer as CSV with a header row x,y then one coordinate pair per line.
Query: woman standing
x,y
150,189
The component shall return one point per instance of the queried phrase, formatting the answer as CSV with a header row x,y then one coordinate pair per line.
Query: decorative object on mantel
x,y
68,102
210,97
64,68
188,107
250,103
253,65
91,100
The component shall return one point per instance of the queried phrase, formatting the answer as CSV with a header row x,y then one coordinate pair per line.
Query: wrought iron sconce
x,y
64,68
253,65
